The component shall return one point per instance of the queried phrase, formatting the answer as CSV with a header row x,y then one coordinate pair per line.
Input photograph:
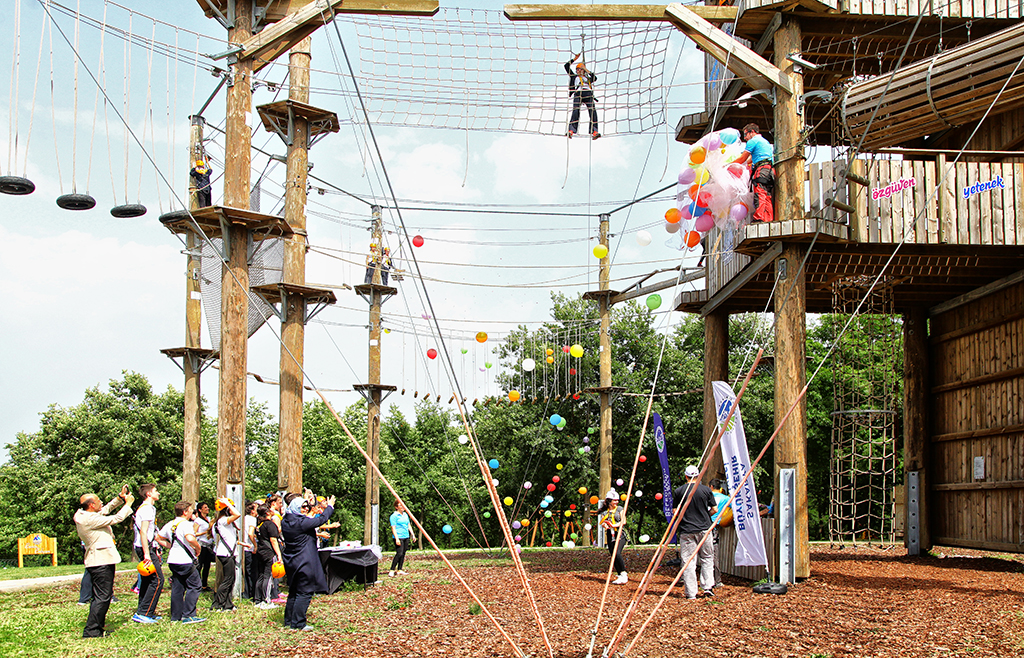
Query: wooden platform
x,y
212,220
280,118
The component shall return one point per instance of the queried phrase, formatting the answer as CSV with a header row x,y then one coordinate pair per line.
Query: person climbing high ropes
x,y
581,88
761,154
201,179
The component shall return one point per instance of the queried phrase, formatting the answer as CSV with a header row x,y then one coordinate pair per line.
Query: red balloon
x,y
643,458
556,479
548,544
551,487
565,348
704,198
432,353
572,506
417,241
692,239
572,371
736,169
657,496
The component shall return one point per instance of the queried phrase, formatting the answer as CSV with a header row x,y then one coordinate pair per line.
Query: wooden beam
x,y
979,486
655,287
737,282
973,295
278,10
917,450
610,13
1003,547
739,59
290,29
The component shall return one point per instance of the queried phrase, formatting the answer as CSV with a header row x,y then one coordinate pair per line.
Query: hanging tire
x,y
16,185
128,210
76,202
173,216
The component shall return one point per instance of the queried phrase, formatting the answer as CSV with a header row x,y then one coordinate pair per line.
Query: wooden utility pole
x,y
916,427
791,293
193,337
716,368
293,307
375,293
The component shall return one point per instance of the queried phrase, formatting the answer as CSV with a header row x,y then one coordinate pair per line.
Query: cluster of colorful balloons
x,y
558,422
713,190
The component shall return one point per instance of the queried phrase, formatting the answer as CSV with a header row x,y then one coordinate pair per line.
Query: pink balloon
x,y
685,212
704,223
687,176
714,141
672,228
736,169
738,212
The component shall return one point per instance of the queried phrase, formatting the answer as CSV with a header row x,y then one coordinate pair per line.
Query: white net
x,y
265,266
476,70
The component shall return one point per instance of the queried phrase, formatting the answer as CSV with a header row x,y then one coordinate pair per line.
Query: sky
x,y
87,296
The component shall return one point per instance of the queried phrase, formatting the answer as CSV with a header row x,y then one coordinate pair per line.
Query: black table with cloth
x,y
344,564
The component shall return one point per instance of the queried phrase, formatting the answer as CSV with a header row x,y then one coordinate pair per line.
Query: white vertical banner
x,y
750,549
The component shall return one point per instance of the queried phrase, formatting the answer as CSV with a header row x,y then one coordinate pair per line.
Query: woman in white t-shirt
x,y
204,534
225,544
178,536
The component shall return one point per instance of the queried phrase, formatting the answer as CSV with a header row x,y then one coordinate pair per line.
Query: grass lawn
x,y
14,573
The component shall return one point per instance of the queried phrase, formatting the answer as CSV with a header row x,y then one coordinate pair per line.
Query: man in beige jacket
x,y
93,523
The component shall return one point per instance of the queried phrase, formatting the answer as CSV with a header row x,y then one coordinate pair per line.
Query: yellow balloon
x,y
703,177
583,491
558,466
526,523
549,351
622,497
508,501
600,251
551,359
568,513
513,395
576,350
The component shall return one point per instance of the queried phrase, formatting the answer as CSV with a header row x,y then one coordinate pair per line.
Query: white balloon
x,y
644,539
587,527
672,228
638,493
529,365
494,481
643,238
463,439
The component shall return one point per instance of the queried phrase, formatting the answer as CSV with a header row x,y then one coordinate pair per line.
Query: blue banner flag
x,y
666,479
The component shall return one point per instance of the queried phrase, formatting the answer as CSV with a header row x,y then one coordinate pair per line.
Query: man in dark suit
x,y
302,565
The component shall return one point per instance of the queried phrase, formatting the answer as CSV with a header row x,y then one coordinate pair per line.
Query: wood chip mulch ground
x,y
857,602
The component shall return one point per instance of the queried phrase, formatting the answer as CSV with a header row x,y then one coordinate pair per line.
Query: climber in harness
x,y
581,88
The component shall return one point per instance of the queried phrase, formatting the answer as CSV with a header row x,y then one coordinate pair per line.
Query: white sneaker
x,y
622,579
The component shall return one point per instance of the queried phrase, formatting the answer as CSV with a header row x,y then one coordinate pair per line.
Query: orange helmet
x,y
146,568
277,570
580,66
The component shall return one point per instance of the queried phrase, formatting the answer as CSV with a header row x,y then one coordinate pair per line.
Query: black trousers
x,y
265,582
296,607
151,587
206,558
249,573
102,591
185,585
586,98
400,549
615,546
225,583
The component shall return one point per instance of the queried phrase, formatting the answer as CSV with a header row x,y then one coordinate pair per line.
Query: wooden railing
x,y
977,203
950,9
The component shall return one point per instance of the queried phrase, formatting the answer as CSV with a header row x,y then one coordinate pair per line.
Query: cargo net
x,y
866,389
476,70
266,265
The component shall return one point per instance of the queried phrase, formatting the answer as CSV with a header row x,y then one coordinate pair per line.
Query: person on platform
x,y
372,260
302,565
225,543
695,522
760,153
148,551
201,180
179,536
93,521
249,530
611,518
581,88
268,538
402,532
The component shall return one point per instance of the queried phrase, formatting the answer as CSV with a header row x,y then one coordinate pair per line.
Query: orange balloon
x,y
481,337
513,396
593,500
692,239
694,191
697,154
551,359
672,215
550,351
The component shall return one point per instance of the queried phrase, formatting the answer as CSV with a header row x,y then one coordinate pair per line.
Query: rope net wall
x,y
266,265
866,390
476,70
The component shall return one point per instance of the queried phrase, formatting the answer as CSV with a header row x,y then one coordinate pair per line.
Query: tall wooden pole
x,y
293,329
916,422
371,520
605,364
791,293
235,280
193,338
716,368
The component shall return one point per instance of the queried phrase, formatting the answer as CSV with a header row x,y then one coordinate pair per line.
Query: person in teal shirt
x,y
402,532
761,154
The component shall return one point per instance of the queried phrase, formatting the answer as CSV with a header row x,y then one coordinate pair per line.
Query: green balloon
x,y
573,536
653,301
591,430
487,515
464,350
562,424
488,364
582,451
548,514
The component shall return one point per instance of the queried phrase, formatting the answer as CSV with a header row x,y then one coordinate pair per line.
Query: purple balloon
x,y
714,141
516,525
738,212
687,176
704,223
